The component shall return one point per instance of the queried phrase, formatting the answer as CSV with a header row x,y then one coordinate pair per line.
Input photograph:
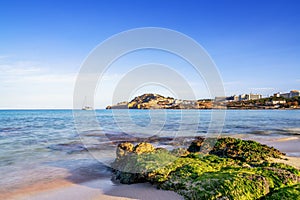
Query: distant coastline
x,y
156,101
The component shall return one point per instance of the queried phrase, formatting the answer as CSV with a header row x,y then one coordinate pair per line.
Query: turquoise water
x,y
39,144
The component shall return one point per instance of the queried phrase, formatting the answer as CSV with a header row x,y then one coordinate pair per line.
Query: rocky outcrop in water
x,y
233,169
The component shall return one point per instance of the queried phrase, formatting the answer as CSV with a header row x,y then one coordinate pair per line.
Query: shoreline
x,y
103,188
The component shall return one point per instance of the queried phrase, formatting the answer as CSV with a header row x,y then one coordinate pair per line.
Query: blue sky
x,y
255,44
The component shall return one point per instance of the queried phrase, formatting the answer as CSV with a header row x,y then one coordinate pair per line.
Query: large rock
x,y
124,149
248,151
230,171
143,147
285,193
196,145
129,166
244,150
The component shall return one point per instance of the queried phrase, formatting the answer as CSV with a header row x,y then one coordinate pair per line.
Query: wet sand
x,y
101,189
290,146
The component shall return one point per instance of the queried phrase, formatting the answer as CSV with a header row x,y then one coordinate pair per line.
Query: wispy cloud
x,y
29,84
4,57
30,71
10,66
10,70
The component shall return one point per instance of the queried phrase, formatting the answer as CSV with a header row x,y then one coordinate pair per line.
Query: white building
x,y
276,102
276,94
243,97
291,94
254,96
247,97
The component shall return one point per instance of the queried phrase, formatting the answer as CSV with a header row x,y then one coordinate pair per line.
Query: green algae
x,y
243,172
244,150
285,193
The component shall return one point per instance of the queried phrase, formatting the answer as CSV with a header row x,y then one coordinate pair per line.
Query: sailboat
x,y
85,106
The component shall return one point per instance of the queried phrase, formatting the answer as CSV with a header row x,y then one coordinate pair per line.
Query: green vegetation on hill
x,y
233,169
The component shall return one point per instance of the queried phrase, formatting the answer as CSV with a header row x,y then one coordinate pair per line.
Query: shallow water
x,y
44,144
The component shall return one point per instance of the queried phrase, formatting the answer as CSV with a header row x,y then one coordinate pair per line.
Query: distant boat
x,y
86,107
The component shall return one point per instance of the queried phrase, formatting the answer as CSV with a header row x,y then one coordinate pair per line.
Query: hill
x,y
156,101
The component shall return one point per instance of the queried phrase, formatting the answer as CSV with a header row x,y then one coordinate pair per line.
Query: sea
x,y
43,145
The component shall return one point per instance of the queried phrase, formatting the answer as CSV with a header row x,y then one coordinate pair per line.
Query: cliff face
x,y
156,101
151,101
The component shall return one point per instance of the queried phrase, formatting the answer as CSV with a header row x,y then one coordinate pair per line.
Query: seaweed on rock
x,y
234,169
244,150
284,193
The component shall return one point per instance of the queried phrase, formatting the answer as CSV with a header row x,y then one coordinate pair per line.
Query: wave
x,y
262,132
289,131
284,131
69,148
9,130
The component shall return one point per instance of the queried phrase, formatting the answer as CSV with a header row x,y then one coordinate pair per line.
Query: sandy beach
x,y
90,182
102,188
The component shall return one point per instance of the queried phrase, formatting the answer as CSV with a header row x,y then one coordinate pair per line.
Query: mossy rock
x,y
123,149
285,193
128,178
218,185
232,170
180,152
196,145
212,177
143,147
244,150
135,167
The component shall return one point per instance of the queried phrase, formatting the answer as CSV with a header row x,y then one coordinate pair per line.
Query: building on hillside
x,y
276,94
285,95
189,102
177,101
233,98
294,93
254,96
276,102
247,97
291,94
243,97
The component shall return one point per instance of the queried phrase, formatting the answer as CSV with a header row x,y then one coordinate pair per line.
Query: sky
x,y
43,44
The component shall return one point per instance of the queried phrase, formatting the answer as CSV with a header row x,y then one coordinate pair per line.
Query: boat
x,y
86,107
